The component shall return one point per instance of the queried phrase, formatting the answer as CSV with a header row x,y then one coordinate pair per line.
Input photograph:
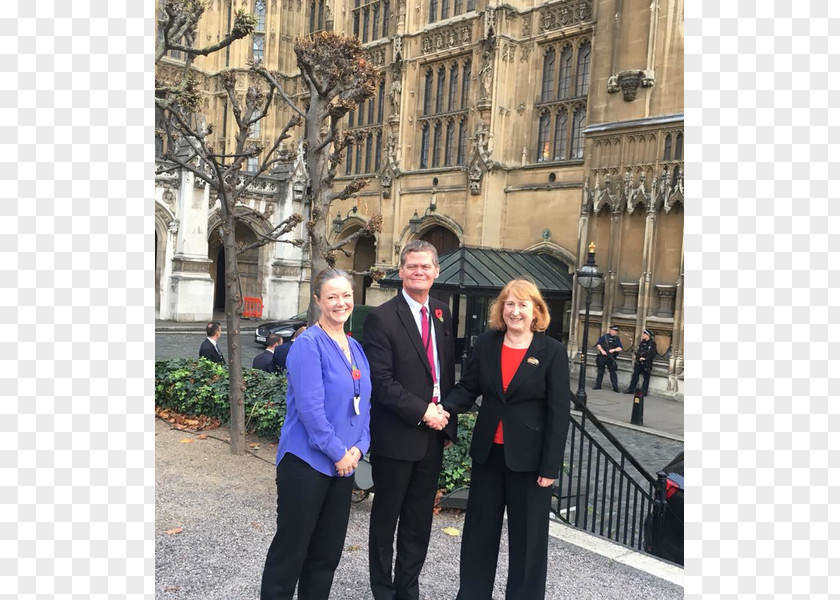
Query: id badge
x,y
356,401
436,391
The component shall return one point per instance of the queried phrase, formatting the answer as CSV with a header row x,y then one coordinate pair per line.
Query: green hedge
x,y
200,387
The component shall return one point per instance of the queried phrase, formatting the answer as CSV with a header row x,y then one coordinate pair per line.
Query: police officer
x,y
644,362
609,345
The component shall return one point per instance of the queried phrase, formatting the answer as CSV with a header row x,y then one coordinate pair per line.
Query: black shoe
x,y
597,387
616,390
628,391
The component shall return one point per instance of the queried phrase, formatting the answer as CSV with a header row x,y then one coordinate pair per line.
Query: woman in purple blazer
x,y
325,434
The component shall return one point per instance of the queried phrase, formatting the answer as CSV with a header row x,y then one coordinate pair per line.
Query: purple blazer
x,y
321,422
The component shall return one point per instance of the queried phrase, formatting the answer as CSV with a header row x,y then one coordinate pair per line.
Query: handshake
x,y
436,416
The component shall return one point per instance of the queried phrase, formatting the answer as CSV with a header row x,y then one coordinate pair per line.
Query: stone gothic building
x,y
536,127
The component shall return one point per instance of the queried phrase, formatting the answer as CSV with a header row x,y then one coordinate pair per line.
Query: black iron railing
x,y
598,493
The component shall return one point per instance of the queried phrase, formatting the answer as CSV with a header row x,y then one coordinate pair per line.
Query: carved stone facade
x,y
619,181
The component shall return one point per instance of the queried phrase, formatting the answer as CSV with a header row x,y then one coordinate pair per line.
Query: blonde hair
x,y
523,290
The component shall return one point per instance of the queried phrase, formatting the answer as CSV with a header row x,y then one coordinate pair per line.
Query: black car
x,y
664,529
284,328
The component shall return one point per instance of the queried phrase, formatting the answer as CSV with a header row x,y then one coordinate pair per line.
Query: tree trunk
x,y
233,299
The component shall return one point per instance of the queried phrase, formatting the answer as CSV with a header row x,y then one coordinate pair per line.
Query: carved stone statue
x,y
396,90
485,75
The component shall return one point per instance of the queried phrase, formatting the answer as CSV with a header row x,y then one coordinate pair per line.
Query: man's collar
x,y
412,303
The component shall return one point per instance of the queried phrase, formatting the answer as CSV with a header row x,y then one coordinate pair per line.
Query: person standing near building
x,y
645,354
265,359
410,345
210,347
282,351
609,345
517,448
325,434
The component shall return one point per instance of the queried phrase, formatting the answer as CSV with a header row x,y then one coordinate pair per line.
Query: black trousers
x,y
312,514
639,370
600,363
405,491
492,488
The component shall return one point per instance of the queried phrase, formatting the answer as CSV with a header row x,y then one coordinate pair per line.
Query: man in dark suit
x,y
210,347
265,359
282,351
409,342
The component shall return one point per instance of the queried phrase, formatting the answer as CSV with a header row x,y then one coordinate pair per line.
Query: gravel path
x,y
225,506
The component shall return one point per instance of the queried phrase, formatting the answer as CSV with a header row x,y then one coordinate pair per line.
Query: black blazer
x,y
265,361
402,378
210,352
280,354
534,411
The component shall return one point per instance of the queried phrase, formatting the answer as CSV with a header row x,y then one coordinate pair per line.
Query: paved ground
x,y
224,507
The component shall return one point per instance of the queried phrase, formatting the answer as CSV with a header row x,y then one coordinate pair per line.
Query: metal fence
x,y
600,490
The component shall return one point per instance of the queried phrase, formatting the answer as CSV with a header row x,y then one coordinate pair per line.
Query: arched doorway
x,y
248,262
441,238
364,257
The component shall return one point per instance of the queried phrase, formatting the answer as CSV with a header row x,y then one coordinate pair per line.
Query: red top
x,y
511,357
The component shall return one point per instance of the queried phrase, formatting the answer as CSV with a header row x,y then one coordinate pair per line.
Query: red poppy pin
x,y
356,374
439,314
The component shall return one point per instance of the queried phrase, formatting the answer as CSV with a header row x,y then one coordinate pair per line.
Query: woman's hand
x,y
544,481
347,464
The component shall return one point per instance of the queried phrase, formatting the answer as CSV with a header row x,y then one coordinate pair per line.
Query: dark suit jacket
x,y
280,354
534,411
265,361
210,352
402,378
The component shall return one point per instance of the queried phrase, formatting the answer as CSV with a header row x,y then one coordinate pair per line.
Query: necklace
x,y
342,342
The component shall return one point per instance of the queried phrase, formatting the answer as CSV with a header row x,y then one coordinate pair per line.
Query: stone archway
x,y
163,220
249,226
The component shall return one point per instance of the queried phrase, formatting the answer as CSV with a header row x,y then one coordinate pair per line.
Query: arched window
x,y
462,140
543,137
453,87
385,16
370,111
378,155
356,20
320,14
465,84
565,79
582,85
561,127
444,9
424,147
667,154
450,143
368,150
436,146
365,23
312,10
381,107
433,8
361,113
359,157
548,76
577,132
441,88
678,147
349,166
427,96
375,24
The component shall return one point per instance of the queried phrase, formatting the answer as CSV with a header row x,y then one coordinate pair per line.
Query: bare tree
x,y
337,78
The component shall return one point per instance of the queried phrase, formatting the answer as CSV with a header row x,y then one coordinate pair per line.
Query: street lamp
x,y
588,277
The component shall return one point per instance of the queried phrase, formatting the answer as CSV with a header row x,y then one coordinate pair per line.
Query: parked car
x,y
666,519
285,328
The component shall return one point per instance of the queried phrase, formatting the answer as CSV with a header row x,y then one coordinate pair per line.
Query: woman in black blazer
x,y
518,443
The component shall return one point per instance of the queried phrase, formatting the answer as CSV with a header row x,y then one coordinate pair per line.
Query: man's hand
x,y
544,481
436,417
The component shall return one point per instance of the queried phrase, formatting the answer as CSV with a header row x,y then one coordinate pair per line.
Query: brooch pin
x,y
533,361
439,314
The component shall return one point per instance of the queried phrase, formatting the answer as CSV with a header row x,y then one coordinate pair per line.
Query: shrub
x,y
200,387
457,464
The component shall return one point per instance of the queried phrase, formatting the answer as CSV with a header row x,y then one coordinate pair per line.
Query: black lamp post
x,y
588,277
